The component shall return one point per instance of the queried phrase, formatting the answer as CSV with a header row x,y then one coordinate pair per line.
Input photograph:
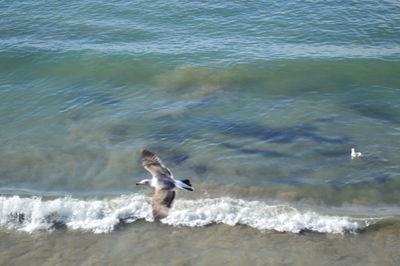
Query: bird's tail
x,y
184,184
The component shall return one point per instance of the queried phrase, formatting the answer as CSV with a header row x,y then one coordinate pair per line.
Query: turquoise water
x,y
252,100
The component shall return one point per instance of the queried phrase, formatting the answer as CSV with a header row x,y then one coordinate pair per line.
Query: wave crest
x,y
102,216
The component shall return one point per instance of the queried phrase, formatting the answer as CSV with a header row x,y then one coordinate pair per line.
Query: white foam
x,y
98,216
101,216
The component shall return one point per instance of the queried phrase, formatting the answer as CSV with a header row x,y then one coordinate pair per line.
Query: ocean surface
x,y
258,103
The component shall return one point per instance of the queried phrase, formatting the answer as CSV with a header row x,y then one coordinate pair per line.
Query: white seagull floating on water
x,y
355,154
163,183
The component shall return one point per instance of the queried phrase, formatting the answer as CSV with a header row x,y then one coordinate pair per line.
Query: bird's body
x,y
355,154
163,183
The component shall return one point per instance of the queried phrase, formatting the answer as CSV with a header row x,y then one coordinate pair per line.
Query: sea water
x,y
258,103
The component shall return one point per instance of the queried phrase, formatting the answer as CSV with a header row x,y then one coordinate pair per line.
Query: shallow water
x,y
258,103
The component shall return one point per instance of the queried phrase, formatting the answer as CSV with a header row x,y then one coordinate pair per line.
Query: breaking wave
x,y
102,216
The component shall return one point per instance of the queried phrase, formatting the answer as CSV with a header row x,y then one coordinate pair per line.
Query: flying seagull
x,y
163,183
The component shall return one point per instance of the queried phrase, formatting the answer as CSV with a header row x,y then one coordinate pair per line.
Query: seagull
x,y
163,183
355,154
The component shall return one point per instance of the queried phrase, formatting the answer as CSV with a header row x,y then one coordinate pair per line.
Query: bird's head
x,y
144,182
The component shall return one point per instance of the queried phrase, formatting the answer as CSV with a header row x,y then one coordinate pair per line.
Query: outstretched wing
x,y
153,164
162,202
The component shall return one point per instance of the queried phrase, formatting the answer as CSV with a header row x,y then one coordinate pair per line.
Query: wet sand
x,y
144,243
